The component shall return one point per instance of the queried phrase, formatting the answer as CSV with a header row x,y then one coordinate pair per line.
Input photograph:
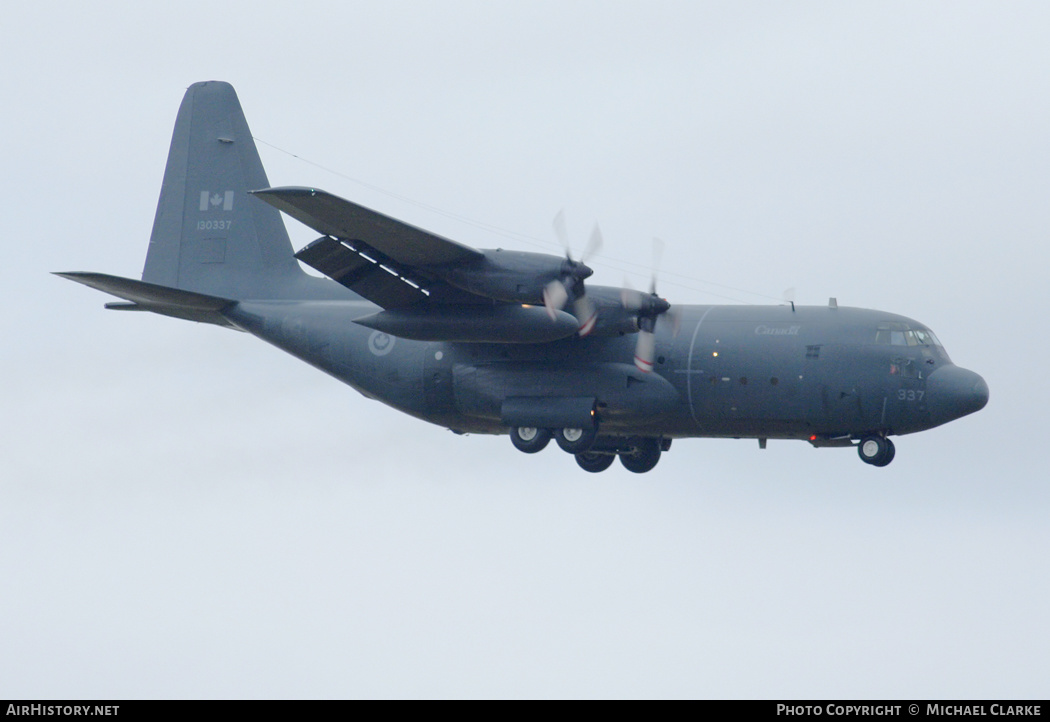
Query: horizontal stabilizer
x,y
158,299
339,218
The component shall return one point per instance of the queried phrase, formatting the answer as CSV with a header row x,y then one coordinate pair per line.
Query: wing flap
x,y
369,277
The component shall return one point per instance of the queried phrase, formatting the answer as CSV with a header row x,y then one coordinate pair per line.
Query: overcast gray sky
x,y
186,512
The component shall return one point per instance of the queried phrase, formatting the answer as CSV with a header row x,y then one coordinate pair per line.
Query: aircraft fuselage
x,y
817,373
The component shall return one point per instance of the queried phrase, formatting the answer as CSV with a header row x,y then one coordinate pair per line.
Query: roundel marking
x,y
380,344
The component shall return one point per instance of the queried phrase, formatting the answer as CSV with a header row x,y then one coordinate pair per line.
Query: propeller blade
x,y
562,232
648,308
554,297
644,351
569,284
631,299
594,244
676,320
586,314
658,256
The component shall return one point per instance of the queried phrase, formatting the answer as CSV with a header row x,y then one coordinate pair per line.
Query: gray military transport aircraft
x,y
480,341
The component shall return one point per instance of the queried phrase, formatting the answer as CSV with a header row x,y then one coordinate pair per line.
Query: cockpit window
x,y
926,338
899,334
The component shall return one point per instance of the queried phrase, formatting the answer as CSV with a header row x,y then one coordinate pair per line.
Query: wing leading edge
x,y
340,218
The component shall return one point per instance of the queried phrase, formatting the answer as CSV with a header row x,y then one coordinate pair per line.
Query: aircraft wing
x,y
378,257
340,218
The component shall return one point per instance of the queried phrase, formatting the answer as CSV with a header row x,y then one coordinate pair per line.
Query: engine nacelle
x,y
474,324
512,276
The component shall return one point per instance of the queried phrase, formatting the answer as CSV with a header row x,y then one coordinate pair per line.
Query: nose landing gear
x,y
876,450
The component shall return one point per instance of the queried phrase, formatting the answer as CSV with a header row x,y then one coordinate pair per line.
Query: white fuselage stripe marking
x,y
689,364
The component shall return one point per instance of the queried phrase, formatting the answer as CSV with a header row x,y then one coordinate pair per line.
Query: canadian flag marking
x,y
212,201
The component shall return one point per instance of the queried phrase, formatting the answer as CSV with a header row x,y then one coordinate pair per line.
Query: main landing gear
x,y
637,454
576,441
876,450
642,456
530,439
595,462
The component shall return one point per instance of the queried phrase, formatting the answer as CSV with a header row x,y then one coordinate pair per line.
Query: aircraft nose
x,y
954,392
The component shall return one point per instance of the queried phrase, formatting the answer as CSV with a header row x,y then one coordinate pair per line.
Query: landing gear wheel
x,y
529,439
595,463
891,451
643,457
876,450
576,441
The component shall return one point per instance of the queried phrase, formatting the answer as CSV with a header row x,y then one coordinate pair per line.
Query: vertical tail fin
x,y
209,236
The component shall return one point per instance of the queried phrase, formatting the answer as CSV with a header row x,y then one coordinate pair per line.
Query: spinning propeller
x,y
569,284
647,307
